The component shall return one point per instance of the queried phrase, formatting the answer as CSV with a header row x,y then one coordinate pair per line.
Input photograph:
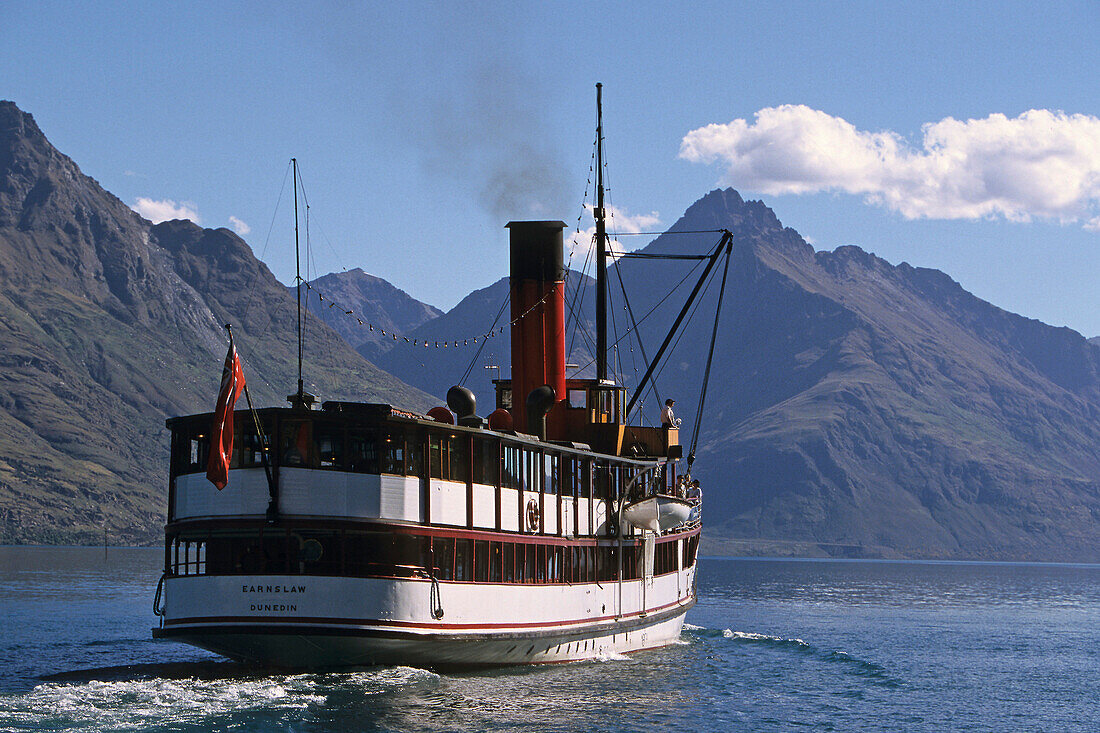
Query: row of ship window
x,y
383,554
334,445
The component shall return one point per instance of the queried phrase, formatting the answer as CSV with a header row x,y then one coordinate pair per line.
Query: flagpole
x,y
272,490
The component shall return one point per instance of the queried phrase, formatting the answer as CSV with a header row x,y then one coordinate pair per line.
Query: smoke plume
x,y
489,135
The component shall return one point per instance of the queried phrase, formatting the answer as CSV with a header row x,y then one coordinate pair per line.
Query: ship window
x,y
448,456
188,557
495,555
486,462
504,398
508,562
577,398
329,440
459,458
512,468
273,545
362,451
529,563
297,447
392,452
414,454
443,550
481,561
199,453
315,553
691,544
387,554
192,447
251,452
553,474
531,471
601,403
435,455
540,564
463,560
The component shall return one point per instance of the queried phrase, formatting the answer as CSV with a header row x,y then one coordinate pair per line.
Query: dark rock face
x,y
108,325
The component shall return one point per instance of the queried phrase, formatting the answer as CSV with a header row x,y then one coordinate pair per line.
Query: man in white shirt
x,y
668,419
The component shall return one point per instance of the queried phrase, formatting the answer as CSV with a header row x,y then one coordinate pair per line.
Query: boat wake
x,y
127,704
871,671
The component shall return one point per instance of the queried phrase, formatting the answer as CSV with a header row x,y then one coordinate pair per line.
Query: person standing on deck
x,y
668,418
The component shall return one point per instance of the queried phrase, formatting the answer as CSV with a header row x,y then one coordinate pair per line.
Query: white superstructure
x,y
420,564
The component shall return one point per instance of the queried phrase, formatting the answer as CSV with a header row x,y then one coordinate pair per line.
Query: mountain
x,y
856,407
372,300
108,325
881,409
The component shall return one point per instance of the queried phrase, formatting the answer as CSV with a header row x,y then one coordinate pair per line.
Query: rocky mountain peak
x,y
752,223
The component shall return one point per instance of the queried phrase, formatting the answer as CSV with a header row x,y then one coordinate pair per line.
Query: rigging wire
x,y
710,357
656,306
661,234
267,241
637,335
470,367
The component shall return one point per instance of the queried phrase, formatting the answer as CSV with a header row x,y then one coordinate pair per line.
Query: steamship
x,y
348,533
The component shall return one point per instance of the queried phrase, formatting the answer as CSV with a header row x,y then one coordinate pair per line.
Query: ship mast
x,y
601,247
300,399
298,276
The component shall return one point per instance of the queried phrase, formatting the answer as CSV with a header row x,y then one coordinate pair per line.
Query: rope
x,y
159,610
434,601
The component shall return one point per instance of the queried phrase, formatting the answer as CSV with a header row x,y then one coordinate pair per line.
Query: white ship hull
x,y
291,621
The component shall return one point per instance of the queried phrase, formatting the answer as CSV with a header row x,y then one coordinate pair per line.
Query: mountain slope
x,y
372,300
109,324
881,407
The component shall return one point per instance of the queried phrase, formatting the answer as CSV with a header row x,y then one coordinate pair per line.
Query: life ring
x,y
532,515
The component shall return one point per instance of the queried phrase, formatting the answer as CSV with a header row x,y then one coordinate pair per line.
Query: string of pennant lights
x,y
418,342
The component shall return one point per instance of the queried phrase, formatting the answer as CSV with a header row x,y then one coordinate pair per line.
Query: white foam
x,y
693,627
388,678
125,705
729,634
608,655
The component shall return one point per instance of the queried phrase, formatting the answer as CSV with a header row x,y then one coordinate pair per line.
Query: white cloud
x,y
239,226
618,222
1041,164
165,209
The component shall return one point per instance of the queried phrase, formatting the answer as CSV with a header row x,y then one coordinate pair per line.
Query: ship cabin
x,y
369,490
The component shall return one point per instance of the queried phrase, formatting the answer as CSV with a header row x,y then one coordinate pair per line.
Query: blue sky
x,y
422,128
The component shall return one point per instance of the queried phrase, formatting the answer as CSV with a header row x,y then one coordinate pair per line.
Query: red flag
x,y
221,434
